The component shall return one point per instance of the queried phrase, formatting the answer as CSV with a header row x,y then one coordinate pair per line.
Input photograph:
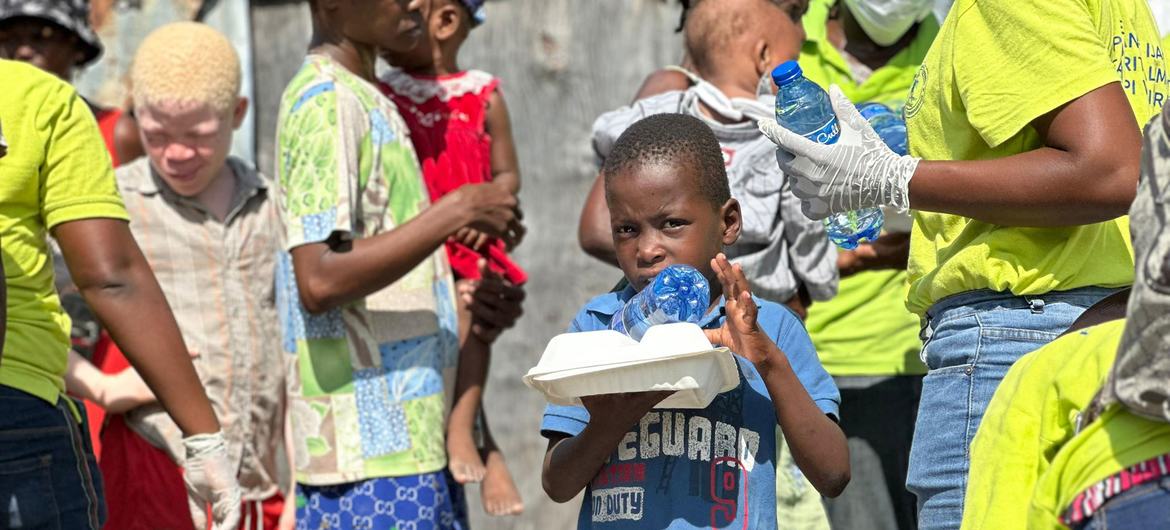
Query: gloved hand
x,y
211,478
857,172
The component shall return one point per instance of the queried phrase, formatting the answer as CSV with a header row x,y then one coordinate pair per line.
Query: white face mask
x,y
885,21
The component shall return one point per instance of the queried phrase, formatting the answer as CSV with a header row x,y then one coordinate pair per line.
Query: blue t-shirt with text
x,y
709,468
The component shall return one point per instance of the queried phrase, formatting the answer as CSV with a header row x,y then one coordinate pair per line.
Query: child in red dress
x,y
461,132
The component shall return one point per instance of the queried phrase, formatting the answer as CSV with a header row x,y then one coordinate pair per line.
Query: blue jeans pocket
x,y
26,494
938,454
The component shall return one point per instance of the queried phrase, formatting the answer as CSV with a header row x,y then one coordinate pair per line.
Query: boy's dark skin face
x,y
660,218
42,44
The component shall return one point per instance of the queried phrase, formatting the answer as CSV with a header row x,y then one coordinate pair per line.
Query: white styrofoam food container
x,y
676,357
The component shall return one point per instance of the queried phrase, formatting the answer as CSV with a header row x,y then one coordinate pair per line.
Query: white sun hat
x,y
675,357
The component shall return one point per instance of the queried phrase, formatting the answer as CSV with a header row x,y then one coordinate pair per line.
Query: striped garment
x,y
1087,503
218,278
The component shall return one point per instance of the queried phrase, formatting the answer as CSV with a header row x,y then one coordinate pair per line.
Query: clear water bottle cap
x,y
786,72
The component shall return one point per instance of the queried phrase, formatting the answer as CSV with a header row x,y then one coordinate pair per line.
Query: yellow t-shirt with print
x,y
1032,414
57,170
996,66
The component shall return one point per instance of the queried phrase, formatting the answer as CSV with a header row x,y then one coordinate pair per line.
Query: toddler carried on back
x,y
733,45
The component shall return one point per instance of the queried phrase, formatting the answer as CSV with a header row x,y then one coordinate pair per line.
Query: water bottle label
x,y
827,134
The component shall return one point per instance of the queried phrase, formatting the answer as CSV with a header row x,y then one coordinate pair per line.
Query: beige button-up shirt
x,y
219,280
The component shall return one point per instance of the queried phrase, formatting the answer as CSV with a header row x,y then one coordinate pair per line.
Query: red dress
x,y
107,121
446,117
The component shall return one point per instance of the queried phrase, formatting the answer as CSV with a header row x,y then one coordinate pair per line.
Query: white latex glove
x,y
857,172
212,478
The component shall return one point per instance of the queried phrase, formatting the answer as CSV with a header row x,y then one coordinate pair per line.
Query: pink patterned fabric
x,y
1087,503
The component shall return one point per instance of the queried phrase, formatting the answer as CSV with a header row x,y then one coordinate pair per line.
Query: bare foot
x,y
463,458
499,493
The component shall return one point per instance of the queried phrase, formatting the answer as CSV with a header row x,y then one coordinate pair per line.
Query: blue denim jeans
x,y
49,477
970,342
1146,506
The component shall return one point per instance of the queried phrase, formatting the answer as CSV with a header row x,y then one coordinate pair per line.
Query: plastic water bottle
x,y
804,108
678,294
887,125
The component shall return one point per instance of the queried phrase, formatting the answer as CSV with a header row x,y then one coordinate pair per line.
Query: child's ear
x,y
762,54
239,112
446,22
732,220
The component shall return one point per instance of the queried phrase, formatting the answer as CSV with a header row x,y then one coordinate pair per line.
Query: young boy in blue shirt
x,y
667,192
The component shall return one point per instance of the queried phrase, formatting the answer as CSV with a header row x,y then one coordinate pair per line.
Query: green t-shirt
x,y
996,66
1032,414
57,170
866,329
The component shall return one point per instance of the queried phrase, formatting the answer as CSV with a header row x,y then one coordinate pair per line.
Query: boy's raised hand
x,y
739,331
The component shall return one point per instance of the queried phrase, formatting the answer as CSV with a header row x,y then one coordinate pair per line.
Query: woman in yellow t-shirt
x,y
1025,141
55,179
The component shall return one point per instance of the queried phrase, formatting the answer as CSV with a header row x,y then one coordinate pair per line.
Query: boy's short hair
x,y
186,62
675,139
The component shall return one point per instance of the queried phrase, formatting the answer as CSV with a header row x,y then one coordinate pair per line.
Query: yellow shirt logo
x,y
915,99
